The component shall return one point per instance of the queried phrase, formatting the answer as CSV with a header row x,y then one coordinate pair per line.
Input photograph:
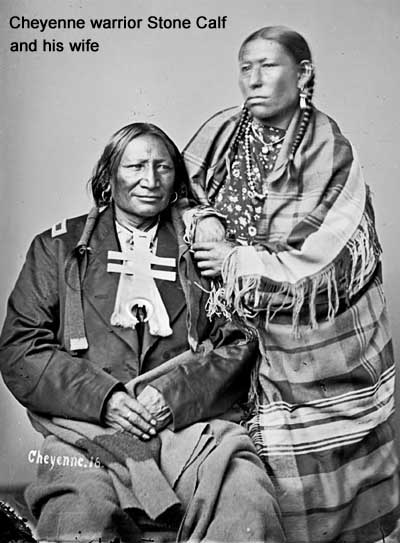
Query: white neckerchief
x,y
126,236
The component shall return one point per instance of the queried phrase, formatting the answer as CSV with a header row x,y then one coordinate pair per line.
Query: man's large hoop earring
x,y
174,198
106,194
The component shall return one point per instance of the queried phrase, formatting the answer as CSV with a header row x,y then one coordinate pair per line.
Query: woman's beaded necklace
x,y
255,129
256,155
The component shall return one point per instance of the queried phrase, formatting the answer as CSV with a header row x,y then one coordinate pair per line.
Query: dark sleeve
x,y
208,384
42,375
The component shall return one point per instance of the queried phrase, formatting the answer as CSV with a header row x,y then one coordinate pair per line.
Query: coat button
x,y
166,355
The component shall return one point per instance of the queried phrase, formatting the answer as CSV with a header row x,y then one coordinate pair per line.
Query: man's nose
x,y
150,177
255,77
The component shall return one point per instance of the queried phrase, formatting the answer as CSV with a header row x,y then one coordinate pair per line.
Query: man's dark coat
x,y
46,378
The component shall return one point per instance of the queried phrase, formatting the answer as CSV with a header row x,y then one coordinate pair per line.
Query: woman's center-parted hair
x,y
293,42
107,165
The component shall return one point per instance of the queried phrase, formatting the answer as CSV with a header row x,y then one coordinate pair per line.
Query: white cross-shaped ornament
x,y
137,288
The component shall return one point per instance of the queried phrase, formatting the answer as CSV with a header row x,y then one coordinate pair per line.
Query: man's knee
x,y
74,503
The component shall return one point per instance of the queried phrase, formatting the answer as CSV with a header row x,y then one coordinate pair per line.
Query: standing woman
x,y
301,264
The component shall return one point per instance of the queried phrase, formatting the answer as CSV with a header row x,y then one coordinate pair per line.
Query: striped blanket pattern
x,y
311,288
323,424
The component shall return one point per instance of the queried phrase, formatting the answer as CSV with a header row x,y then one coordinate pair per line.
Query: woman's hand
x,y
124,413
210,256
209,229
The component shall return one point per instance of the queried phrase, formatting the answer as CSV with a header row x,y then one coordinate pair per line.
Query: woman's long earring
x,y
303,97
304,90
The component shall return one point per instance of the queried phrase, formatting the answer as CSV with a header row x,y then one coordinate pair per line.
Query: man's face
x,y
145,178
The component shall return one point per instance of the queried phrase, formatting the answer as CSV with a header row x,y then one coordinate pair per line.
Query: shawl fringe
x,y
255,295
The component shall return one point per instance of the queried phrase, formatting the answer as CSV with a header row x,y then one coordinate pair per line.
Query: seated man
x,y
107,344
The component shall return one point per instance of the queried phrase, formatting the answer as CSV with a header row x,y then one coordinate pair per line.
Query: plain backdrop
x,y
57,111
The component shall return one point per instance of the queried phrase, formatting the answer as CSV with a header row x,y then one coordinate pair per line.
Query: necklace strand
x,y
254,194
267,145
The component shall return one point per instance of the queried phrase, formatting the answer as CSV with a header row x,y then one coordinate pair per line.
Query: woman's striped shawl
x,y
316,244
323,396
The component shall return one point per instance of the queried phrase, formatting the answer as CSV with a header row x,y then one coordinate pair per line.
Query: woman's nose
x,y
255,77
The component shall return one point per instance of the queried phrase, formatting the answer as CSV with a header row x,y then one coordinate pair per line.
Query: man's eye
x,y
134,166
164,167
245,68
268,64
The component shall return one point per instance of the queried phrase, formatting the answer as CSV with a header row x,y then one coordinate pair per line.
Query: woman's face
x,y
145,178
268,80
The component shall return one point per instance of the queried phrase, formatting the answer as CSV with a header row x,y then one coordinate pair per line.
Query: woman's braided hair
x,y
245,119
297,47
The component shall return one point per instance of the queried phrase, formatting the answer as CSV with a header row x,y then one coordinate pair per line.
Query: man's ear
x,y
306,72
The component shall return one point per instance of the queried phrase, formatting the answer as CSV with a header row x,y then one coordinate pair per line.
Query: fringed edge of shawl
x,y
254,295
